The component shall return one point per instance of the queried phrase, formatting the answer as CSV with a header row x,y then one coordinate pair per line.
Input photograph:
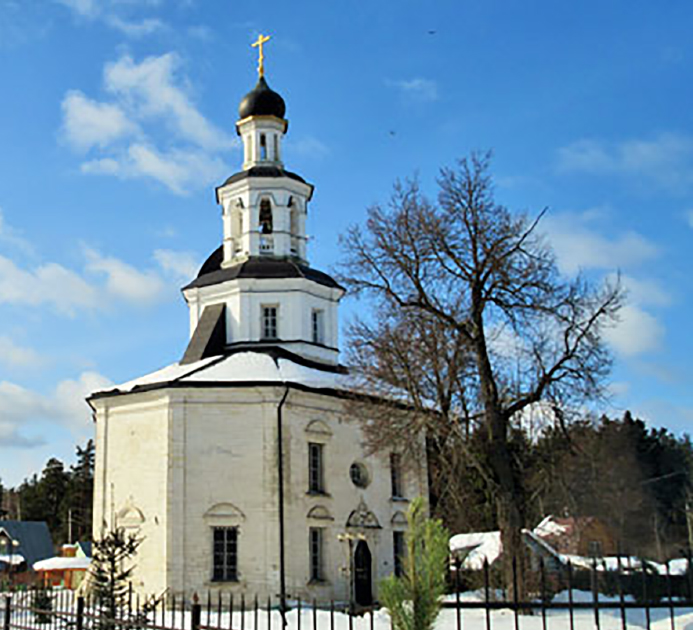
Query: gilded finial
x,y
261,60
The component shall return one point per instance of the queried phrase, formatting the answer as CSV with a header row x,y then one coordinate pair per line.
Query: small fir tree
x,y
42,604
414,599
111,570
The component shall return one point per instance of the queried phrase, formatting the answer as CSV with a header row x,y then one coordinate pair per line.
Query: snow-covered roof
x,y
549,527
14,559
480,547
241,367
60,563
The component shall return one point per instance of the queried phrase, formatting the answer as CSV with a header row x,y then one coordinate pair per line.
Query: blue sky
x,y
117,121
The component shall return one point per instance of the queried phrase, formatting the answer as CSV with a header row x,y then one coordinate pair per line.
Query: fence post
x,y
196,615
79,625
8,612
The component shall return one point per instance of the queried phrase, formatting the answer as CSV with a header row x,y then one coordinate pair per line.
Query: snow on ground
x,y
469,619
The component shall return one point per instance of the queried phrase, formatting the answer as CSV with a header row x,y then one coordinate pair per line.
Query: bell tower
x,y
270,295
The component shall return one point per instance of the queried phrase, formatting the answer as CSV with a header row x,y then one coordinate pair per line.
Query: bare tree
x,y
472,326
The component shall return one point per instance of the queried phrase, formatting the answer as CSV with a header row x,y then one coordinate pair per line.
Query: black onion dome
x,y
262,101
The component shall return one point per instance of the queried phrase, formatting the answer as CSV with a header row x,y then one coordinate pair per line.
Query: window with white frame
x,y
318,325
225,554
316,552
270,314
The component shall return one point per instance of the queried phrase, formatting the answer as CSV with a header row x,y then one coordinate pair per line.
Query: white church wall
x,y
226,457
207,457
131,489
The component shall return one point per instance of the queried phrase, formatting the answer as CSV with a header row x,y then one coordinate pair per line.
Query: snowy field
x,y
307,619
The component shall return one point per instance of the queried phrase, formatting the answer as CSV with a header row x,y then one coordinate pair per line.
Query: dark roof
x,y
262,101
34,539
264,171
209,337
257,267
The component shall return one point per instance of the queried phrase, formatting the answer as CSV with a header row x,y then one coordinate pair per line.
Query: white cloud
x,y
182,266
135,29
579,246
69,397
124,281
84,8
179,170
88,123
122,133
153,90
645,292
419,89
117,14
49,283
14,356
10,236
666,159
636,332
20,408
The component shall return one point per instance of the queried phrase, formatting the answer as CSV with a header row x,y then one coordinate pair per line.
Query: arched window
x,y
263,146
237,229
265,217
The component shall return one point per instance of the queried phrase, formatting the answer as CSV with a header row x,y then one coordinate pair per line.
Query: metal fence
x,y
569,599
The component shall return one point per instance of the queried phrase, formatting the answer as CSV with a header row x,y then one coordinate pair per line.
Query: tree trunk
x,y
510,519
509,497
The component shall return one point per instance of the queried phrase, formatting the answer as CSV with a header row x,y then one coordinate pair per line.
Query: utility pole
x,y
689,525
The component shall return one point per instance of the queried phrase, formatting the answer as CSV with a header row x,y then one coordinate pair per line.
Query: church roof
x,y
212,272
243,368
262,101
264,171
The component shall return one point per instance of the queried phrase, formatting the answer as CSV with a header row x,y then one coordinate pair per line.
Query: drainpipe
x,y
280,467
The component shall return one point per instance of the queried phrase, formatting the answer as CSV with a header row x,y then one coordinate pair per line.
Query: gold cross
x,y
261,61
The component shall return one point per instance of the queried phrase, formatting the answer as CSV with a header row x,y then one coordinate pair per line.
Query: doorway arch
x,y
363,579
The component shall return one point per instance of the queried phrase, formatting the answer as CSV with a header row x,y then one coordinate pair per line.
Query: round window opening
x,y
359,475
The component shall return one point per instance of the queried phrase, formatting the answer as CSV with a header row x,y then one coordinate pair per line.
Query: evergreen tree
x,y
110,572
414,599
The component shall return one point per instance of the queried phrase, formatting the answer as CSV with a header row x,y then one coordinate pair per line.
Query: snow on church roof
x,y
240,367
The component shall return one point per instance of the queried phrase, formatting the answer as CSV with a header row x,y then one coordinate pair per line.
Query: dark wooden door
x,y
363,591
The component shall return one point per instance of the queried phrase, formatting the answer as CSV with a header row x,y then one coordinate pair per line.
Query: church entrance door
x,y
363,592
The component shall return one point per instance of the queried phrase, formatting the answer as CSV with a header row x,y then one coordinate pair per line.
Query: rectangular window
x,y
315,468
396,475
315,535
318,325
269,322
398,552
225,554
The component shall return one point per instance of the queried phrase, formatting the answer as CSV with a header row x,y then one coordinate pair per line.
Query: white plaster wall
x,y
131,478
296,298
174,454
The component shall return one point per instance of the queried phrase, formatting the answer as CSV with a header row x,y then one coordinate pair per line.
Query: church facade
x,y
240,466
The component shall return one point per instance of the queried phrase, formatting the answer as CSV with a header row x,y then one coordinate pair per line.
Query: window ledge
x,y
318,493
399,499
318,583
235,582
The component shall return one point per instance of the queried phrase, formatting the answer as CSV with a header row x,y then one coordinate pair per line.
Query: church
x,y
240,466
